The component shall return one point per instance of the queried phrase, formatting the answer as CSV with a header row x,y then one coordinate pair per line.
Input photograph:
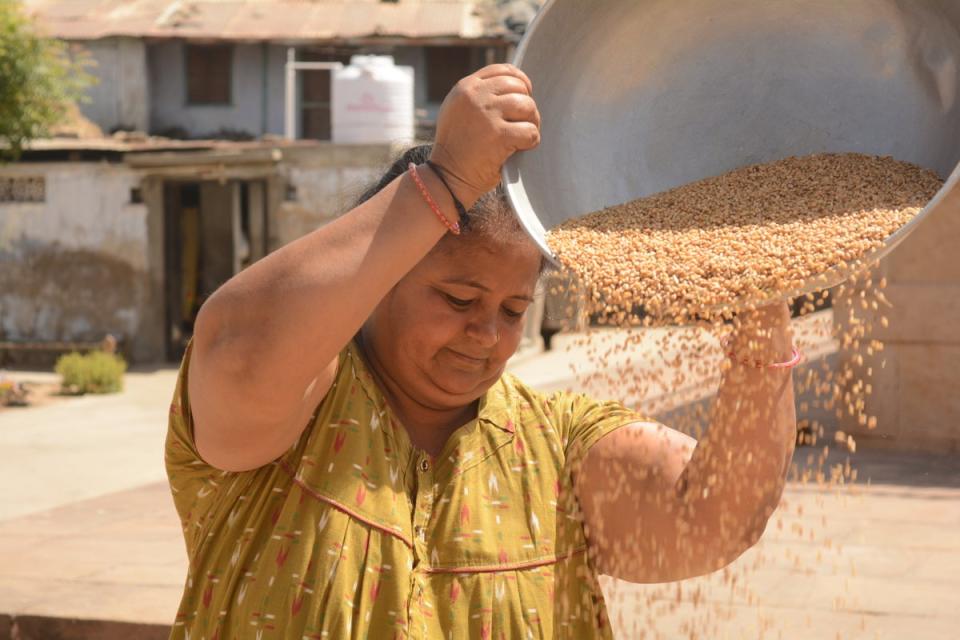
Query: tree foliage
x,y
38,80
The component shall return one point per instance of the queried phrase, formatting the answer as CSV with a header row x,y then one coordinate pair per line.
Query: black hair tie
x,y
461,210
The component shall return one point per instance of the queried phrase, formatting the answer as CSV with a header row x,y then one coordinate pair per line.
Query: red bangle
x,y
796,358
454,227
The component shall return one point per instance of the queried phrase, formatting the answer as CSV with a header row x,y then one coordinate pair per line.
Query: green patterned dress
x,y
354,533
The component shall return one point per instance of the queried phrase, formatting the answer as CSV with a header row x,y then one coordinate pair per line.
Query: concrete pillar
x,y
149,345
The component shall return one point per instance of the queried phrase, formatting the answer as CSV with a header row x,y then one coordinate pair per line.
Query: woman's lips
x,y
474,363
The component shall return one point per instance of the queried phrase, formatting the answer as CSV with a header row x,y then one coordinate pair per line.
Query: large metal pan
x,y
640,96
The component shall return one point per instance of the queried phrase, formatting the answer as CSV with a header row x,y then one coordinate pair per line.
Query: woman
x,y
350,461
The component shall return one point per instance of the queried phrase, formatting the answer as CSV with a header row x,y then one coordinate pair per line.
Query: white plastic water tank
x,y
373,102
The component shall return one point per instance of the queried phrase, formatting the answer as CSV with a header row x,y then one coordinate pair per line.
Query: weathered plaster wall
x,y
74,267
121,98
325,182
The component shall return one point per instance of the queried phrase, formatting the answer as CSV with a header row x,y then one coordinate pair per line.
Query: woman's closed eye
x,y
461,304
457,303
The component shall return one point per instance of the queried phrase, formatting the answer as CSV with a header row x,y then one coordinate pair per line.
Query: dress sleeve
x,y
193,482
582,421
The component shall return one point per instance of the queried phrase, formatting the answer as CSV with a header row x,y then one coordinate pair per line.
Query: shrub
x,y
95,372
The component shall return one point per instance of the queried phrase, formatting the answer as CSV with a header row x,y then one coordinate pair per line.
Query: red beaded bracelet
x,y
454,227
795,359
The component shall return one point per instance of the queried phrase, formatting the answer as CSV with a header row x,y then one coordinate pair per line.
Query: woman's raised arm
x,y
265,344
661,507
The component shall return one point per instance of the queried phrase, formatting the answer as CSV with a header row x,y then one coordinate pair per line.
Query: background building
x,y
175,174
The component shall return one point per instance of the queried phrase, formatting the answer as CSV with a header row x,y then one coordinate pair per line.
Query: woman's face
x,y
444,333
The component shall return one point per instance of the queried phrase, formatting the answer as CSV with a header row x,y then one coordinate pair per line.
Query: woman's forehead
x,y
491,265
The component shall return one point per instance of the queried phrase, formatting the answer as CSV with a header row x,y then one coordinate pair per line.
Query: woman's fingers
x,y
521,136
516,107
505,85
486,117
494,70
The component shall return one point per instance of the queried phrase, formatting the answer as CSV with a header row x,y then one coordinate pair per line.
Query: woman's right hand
x,y
487,117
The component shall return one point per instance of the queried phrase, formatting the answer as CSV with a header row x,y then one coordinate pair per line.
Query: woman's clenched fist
x,y
487,117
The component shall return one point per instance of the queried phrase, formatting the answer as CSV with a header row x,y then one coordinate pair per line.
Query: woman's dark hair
x,y
416,155
490,216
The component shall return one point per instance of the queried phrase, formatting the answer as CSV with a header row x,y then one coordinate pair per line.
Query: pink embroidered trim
x,y
336,505
531,564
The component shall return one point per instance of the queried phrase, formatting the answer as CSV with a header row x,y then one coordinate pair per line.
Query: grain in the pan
x,y
755,234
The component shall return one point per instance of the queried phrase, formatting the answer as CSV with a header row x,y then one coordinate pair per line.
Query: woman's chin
x,y
465,386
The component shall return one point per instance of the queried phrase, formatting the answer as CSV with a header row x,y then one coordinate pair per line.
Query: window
x,y
209,74
445,67
23,189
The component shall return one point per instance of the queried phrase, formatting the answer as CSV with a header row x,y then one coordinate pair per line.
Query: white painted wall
x,y
87,213
87,207
120,98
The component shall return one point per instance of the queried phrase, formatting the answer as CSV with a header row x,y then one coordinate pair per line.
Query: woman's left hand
x,y
763,334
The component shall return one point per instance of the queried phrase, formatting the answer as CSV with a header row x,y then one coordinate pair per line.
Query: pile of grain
x,y
757,233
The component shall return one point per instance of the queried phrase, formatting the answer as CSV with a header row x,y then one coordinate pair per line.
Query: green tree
x,y
38,80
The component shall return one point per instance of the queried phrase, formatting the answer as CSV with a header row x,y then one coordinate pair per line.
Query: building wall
x,y
143,87
169,110
323,183
87,261
276,86
120,98
75,267
916,376
259,79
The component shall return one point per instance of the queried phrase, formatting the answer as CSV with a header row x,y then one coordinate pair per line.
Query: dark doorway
x,y
182,263
212,230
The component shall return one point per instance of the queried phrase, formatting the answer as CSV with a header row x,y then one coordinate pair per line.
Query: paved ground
x,y
88,531
83,447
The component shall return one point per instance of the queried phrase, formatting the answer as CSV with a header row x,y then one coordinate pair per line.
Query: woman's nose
x,y
484,331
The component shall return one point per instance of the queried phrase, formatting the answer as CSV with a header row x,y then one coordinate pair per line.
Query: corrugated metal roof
x,y
277,20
